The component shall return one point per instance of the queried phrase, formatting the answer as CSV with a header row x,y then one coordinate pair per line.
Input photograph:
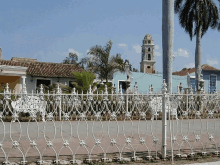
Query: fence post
x,y
60,110
59,98
128,83
164,120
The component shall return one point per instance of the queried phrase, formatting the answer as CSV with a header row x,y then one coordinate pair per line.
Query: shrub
x,y
83,80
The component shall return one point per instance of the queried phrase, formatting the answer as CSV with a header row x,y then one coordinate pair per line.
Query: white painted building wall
x,y
32,82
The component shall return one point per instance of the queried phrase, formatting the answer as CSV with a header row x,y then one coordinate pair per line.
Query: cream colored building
x,y
18,71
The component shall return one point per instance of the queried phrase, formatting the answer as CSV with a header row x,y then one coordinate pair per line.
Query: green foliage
x,y
2,90
135,70
101,87
53,88
102,63
83,80
194,15
122,62
184,69
71,59
49,88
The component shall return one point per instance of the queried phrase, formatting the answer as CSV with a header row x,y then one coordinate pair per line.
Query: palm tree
x,y
102,63
196,16
167,41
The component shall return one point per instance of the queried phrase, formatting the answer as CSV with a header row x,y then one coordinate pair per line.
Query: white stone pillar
x,y
23,79
22,83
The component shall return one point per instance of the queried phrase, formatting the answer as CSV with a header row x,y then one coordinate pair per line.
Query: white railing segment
x,y
107,125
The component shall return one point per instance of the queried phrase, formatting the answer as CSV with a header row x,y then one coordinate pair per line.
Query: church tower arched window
x,y
149,57
148,49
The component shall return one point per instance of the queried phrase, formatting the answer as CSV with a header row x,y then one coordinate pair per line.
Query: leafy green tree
x,y
84,63
135,70
83,80
201,14
102,63
71,59
121,62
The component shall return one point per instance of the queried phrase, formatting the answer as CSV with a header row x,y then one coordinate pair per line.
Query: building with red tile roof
x,y
187,71
25,70
43,69
211,76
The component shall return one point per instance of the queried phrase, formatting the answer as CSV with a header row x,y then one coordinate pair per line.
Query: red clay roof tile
x,y
45,69
192,70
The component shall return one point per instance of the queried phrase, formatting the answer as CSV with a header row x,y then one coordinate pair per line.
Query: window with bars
x,y
213,83
43,81
193,84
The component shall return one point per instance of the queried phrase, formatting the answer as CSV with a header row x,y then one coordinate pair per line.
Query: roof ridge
x,y
36,62
192,70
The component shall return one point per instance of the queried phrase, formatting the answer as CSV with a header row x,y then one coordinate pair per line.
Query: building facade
x,y
144,81
19,71
210,75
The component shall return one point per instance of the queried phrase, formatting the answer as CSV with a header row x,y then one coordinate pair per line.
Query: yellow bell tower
x,y
147,64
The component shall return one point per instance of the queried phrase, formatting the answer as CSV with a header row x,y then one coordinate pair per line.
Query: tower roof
x,y
148,36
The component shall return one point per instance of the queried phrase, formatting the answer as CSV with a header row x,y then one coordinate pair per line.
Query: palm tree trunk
x,y
167,41
198,56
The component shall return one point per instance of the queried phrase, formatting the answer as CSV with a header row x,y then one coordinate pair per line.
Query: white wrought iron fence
x,y
107,126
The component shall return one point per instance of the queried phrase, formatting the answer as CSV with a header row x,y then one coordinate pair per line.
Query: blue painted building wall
x,y
144,80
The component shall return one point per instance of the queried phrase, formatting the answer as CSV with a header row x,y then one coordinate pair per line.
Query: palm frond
x,y
102,63
177,6
196,13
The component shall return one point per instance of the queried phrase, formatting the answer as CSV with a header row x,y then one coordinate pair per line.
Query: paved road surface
x,y
149,130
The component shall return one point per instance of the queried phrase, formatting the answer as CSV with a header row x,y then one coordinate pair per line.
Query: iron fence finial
x,y
164,87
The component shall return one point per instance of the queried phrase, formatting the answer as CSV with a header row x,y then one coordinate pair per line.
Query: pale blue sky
x,y
48,29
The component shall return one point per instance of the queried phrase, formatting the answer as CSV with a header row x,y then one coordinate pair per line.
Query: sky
x,y
49,30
